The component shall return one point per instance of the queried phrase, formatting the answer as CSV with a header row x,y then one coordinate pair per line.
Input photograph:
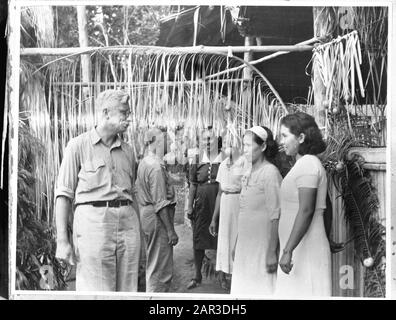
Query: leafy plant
x,y
361,206
36,266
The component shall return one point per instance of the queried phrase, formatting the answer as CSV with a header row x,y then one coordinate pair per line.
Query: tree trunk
x,y
83,40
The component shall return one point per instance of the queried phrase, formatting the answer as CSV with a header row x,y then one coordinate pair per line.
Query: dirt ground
x,y
183,267
182,257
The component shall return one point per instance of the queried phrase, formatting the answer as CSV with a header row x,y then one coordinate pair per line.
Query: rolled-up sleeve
x,y
68,172
158,189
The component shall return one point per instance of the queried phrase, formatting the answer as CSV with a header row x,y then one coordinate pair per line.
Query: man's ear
x,y
105,113
301,138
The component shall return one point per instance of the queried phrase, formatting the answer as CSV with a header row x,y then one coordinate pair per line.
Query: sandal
x,y
194,283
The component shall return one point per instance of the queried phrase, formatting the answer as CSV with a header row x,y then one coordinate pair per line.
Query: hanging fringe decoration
x,y
167,90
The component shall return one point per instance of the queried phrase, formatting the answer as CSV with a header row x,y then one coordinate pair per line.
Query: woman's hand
x,y
285,262
272,261
213,228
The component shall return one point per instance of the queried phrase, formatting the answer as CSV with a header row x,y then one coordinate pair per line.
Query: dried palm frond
x,y
353,66
41,19
167,90
337,63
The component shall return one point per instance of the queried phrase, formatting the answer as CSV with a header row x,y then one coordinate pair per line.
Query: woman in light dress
x,y
225,217
256,254
305,252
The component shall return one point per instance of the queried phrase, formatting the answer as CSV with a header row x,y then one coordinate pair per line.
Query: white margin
x,y
14,16
391,153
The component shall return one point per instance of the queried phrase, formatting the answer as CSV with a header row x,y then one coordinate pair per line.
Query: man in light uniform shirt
x,y
97,177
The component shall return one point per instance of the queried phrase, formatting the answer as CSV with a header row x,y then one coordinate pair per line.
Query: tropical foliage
x,y
107,25
37,267
361,203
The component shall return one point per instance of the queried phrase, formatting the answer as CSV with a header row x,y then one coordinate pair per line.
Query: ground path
x,y
183,267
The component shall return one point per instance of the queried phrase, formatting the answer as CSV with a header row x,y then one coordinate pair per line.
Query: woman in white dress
x,y
305,251
225,217
256,254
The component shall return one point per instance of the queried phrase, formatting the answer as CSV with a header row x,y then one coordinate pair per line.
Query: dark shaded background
x,y
274,25
3,192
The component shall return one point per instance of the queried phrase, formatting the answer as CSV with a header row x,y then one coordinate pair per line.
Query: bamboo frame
x,y
336,40
170,50
12,103
266,58
145,83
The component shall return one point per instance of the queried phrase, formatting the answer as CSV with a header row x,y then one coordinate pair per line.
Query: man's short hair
x,y
150,136
106,99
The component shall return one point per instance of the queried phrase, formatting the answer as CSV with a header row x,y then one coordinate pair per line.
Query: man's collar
x,y
95,138
117,143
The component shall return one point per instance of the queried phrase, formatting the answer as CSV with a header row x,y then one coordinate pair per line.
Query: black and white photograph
x,y
197,151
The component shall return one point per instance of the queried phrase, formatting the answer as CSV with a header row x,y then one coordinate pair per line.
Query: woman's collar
x,y
205,158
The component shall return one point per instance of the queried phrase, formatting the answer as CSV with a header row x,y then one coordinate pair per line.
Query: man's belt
x,y
231,192
111,203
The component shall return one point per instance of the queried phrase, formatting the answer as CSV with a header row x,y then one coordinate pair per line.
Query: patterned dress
x,y
259,205
203,175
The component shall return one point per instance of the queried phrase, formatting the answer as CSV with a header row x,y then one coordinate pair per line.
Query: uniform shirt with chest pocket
x,y
91,171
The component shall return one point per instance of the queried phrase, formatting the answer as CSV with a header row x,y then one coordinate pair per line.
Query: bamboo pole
x,y
13,67
85,58
248,56
145,83
266,58
4,138
248,75
83,39
174,50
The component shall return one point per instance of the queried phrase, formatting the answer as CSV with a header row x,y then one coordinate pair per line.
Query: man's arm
x,y
64,250
156,180
64,194
191,197
164,215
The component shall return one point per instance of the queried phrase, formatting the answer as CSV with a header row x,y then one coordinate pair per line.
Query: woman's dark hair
x,y
301,122
272,146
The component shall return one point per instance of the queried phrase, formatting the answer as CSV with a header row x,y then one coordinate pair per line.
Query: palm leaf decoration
x,y
361,206
360,202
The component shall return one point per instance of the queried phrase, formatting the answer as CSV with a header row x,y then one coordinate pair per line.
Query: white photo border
x,y
13,105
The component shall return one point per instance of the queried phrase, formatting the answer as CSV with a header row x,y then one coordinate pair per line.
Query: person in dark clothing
x,y
202,198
